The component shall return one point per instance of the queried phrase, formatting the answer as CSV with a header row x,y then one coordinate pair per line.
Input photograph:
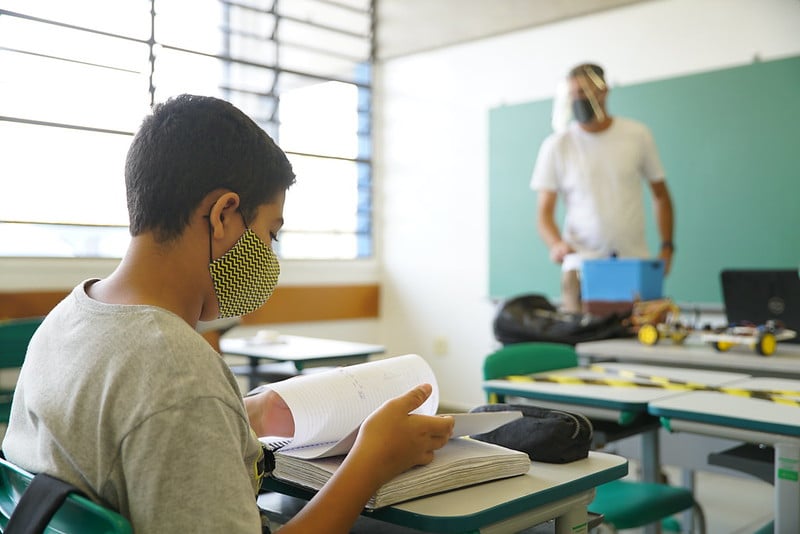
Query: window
x,y
79,76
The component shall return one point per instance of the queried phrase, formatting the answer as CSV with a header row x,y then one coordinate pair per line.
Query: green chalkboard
x,y
730,143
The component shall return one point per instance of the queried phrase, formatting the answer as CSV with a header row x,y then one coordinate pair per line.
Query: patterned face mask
x,y
245,276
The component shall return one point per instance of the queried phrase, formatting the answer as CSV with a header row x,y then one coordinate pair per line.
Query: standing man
x,y
598,164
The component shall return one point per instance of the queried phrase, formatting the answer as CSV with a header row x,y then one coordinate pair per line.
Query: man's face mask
x,y
245,276
582,110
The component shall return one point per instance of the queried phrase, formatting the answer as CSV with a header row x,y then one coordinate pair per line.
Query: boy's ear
x,y
221,208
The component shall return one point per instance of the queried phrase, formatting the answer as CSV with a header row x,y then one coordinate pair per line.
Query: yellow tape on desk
x,y
642,380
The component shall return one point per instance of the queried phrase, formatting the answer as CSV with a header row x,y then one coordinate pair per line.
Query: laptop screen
x,y
758,295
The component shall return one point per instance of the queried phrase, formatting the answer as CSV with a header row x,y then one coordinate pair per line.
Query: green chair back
x,y
527,358
15,334
76,515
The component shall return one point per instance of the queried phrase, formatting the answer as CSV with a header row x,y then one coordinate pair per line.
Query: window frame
x,y
364,225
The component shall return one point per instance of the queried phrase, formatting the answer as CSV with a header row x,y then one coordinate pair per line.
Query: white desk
x,y
303,352
751,420
695,354
548,491
605,402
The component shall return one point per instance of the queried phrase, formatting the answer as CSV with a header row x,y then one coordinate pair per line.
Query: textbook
x,y
329,406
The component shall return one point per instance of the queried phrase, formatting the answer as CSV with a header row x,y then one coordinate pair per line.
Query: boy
x,y
121,397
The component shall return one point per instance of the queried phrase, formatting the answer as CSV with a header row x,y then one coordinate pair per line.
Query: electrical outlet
x,y
440,346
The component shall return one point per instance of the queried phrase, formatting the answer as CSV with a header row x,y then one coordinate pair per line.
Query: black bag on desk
x,y
534,318
545,435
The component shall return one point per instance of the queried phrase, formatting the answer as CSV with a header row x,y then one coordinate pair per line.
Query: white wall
x,y
432,143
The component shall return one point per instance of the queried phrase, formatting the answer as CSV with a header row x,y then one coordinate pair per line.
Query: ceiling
x,y
409,26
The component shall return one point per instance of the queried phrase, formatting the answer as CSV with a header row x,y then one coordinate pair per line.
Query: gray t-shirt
x,y
132,406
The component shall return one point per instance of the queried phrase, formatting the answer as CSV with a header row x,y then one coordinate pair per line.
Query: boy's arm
x,y
269,415
184,471
390,442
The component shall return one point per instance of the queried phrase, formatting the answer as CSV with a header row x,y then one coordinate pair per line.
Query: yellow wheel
x,y
723,346
766,344
678,337
648,334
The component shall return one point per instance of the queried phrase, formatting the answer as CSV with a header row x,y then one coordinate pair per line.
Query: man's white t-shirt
x,y
600,177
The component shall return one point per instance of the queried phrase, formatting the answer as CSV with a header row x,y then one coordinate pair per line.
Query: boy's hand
x,y
392,440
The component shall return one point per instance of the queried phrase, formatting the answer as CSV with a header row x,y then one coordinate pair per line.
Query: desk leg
x,y
253,378
688,481
651,466
787,491
651,456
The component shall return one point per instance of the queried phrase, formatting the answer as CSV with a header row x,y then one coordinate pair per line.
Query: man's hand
x,y
666,257
559,250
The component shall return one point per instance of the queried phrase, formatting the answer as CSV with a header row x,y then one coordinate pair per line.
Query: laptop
x,y
758,295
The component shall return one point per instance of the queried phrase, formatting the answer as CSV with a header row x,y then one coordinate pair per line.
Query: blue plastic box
x,y
622,279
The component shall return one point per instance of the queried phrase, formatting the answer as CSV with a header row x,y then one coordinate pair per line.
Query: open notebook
x,y
329,407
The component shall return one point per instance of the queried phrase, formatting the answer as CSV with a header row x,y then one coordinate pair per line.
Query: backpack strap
x,y
38,504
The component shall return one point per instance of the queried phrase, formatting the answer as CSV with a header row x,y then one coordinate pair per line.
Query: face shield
x,y
562,107
592,85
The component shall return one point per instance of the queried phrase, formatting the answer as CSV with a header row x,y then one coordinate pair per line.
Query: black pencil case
x,y
546,435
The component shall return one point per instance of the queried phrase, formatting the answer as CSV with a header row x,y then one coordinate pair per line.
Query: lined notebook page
x,y
329,406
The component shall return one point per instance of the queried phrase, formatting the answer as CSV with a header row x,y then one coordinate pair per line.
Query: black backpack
x,y
534,318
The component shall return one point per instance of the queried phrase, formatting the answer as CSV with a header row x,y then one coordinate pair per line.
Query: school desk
x,y
303,352
695,354
548,491
753,420
593,393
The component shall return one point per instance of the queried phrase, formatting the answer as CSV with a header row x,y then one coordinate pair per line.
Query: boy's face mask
x,y
245,276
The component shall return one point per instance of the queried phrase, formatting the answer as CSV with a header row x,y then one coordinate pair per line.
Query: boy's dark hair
x,y
186,148
581,69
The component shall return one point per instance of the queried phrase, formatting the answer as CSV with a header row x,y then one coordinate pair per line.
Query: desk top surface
x,y
558,385
694,353
245,342
734,410
476,506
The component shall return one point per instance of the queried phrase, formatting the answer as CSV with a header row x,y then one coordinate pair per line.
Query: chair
x,y
14,337
75,515
622,503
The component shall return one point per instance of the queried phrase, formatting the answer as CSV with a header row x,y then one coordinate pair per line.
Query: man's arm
x,y
662,205
548,229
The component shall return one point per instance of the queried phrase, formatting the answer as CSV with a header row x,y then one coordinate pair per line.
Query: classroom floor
x,y
731,504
